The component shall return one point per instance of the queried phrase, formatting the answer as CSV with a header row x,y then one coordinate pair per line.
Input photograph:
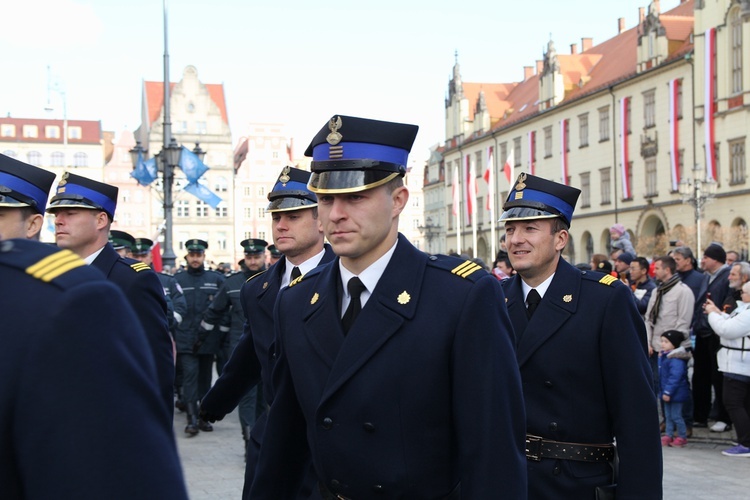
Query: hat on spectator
x,y
716,252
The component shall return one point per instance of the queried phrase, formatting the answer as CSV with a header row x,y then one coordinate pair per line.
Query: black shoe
x,y
205,426
192,427
700,425
180,406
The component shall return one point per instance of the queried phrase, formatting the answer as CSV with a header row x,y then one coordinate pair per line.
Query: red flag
x,y
156,257
508,167
471,188
709,102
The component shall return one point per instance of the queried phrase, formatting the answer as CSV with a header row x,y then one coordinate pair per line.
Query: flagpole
x,y
458,212
168,255
474,208
491,194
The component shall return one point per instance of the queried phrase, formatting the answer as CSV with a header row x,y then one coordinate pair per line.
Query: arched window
x,y
80,160
57,159
34,158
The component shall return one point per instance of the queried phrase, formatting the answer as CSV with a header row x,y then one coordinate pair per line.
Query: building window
x,y
221,240
629,107
138,196
275,155
248,212
478,164
604,124
651,186
10,153
585,190
737,161
34,158
201,209
221,211
450,219
57,159
200,128
138,219
517,151
606,192
221,185
52,132
679,99
261,213
74,133
548,141
479,210
736,27
30,131
262,191
583,129
80,160
183,208
503,153
567,136
125,196
247,191
649,108
8,130
262,235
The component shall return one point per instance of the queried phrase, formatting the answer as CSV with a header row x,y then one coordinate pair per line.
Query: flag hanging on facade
x,y
471,188
708,102
624,158
156,257
145,172
532,151
191,165
204,194
674,137
456,192
564,151
508,166
489,178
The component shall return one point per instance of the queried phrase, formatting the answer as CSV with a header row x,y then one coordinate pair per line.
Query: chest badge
x,y
567,298
314,298
403,298
265,285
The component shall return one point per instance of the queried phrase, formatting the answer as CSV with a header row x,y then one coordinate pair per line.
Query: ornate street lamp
x,y
429,230
698,191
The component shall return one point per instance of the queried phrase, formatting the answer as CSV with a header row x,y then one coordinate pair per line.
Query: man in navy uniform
x,y
23,198
81,413
195,351
299,235
396,369
583,360
84,210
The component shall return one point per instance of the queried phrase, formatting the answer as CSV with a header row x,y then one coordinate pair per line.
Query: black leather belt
x,y
538,448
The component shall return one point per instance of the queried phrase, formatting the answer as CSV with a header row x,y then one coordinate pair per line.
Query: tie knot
x,y
355,287
533,297
296,273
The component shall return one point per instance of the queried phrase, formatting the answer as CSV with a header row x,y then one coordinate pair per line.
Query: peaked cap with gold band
x,y
75,191
291,192
533,197
354,154
23,185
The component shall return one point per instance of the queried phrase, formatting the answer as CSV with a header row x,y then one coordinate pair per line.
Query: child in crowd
x,y
674,388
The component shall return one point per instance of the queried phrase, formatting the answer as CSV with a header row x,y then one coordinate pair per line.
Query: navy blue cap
x,y
291,192
196,245
354,154
121,239
23,185
254,246
533,197
142,246
75,191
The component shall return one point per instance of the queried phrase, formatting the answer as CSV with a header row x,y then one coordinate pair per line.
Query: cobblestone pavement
x,y
214,465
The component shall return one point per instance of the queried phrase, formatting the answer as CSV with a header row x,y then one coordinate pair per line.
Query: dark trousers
x,y
196,375
737,403
706,375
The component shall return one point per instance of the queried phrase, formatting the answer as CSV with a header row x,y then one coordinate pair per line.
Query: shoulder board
x,y
604,279
462,268
45,263
54,265
140,266
256,275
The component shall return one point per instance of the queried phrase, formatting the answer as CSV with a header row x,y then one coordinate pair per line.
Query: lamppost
x,y
698,191
167,159
429,230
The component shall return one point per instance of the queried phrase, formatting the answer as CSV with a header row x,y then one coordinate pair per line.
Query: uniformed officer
x,y
81,412
141,250
583,359
122,242
274,254
84,210
195,354
396,369
23,198
298,233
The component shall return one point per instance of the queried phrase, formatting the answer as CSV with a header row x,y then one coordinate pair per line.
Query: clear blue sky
x,y
294,62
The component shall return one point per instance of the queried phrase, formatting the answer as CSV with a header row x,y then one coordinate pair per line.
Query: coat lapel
x,y
106,259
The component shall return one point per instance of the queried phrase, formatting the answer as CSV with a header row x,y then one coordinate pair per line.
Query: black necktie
x,y
532,301
296,273
355,287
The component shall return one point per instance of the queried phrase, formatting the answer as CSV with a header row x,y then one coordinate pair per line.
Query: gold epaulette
x,y
607,280
55,265
466,268
140,266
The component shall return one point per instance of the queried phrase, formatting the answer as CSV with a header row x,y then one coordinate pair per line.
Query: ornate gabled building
x,y
623,121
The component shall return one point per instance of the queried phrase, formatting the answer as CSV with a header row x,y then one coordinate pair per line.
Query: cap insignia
x,y
334,125
314,298
521,182
64,179
567,298
284,177
403,298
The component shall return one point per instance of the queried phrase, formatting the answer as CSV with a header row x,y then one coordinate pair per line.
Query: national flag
x,y
471,188
156,257
204,194
191,165
708,102
674,137
145,172
564,151
624,150
489,178
456,192
508,167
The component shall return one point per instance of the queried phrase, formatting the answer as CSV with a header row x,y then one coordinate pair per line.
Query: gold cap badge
x,y
521,182
284,177
334,125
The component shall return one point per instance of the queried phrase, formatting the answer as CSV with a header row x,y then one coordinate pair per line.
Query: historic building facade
x,y
622,120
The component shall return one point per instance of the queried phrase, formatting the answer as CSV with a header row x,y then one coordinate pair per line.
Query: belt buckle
x,y
534,447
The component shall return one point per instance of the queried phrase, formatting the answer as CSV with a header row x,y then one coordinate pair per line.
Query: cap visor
x,y
526,213
348,181
285,203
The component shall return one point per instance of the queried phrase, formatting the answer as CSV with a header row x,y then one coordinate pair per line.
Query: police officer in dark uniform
x,y
73,358
84,210
274,254
23,198
297,229
122,242
396,369
582,353
195,352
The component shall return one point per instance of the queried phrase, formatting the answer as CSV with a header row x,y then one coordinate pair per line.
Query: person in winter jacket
x,y
674,389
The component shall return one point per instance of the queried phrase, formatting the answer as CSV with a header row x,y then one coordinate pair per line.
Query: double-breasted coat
x,y
421,399
586,379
